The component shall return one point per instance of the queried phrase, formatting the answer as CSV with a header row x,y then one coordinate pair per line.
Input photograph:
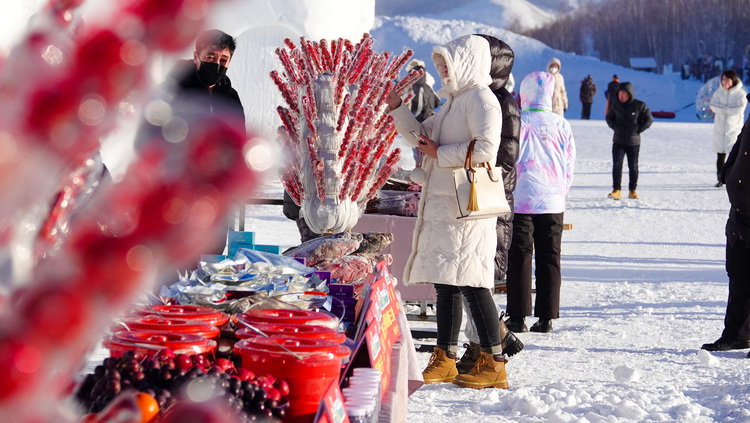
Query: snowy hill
x,y
660,92
523,14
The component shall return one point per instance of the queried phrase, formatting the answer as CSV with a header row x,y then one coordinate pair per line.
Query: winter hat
x,y
413,64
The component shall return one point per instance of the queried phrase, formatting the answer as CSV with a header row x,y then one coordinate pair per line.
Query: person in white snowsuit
x,y
544,172
457,256
728,104
560,95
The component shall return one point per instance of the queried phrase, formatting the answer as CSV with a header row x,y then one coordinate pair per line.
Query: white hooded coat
x,y
560,95
729,109
446,250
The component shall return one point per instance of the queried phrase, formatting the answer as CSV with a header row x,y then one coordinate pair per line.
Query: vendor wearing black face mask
x,y
198,93
207,78
198,88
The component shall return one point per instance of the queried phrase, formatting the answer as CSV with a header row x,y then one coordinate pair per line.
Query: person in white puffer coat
x,y
457,256
546,157
728,104
560,95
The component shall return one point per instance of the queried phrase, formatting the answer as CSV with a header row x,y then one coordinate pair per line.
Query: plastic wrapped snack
x,y
349,269
326,248
374,242
397,203
375,258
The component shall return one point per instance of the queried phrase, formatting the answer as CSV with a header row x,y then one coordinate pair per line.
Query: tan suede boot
x,y
615,195
470,357
487,373
441,368
633,195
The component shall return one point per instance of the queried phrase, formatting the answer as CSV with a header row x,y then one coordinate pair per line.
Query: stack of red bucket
x,y
191,330
302,347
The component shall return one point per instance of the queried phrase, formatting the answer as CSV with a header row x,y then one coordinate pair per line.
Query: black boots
x,y
726,344
511,344
542,325
516,324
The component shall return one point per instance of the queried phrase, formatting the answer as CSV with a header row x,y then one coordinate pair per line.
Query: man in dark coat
x,y
425,100
611,92
628,117
736,334
198,92
507,154
199,88
588,89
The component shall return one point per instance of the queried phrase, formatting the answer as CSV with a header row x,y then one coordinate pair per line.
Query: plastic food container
x,y
145,343
153,323
292,331
309,375
190,312
290,317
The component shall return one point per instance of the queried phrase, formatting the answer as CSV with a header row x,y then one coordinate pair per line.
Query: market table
x,y
402,228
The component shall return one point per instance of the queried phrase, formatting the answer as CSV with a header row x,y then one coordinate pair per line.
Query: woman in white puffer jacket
x,y
728,104
457,256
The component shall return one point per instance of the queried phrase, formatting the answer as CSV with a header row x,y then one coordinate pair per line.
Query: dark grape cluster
x,y
168,378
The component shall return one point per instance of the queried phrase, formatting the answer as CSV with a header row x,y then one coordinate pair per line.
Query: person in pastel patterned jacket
x,y
544,175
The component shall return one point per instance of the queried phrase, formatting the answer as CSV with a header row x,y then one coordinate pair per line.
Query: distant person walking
x,y
560,95
628,117
611,92
544,175
736,334
588,89
728,104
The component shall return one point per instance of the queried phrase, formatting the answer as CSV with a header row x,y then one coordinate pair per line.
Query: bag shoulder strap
x,y
469,153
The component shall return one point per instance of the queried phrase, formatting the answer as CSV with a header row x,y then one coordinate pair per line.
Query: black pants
x,y
618,153
720,157
585,110
737,319
539,235
483,311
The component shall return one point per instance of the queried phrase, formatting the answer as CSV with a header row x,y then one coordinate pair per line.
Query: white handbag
x,y
479,190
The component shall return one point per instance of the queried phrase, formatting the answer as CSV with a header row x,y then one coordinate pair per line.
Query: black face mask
x,y
211,73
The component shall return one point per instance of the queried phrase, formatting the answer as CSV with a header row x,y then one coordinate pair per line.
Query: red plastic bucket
x,y
293,331
145,343
308,376
154,323
191,312
290,317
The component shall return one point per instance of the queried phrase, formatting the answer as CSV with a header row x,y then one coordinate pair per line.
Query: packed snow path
x,y
644,286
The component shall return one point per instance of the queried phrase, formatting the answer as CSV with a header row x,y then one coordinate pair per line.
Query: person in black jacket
x,y
628,117
199,88
588,89
425,100
611,92
736,334
507,154
198,92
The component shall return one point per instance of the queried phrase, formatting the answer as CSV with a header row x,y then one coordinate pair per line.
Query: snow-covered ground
x,y
643,287
644,284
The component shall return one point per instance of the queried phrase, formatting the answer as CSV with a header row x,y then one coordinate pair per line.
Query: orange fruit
x,y
148,406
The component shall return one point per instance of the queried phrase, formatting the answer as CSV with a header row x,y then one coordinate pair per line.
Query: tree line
x,y
671,31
